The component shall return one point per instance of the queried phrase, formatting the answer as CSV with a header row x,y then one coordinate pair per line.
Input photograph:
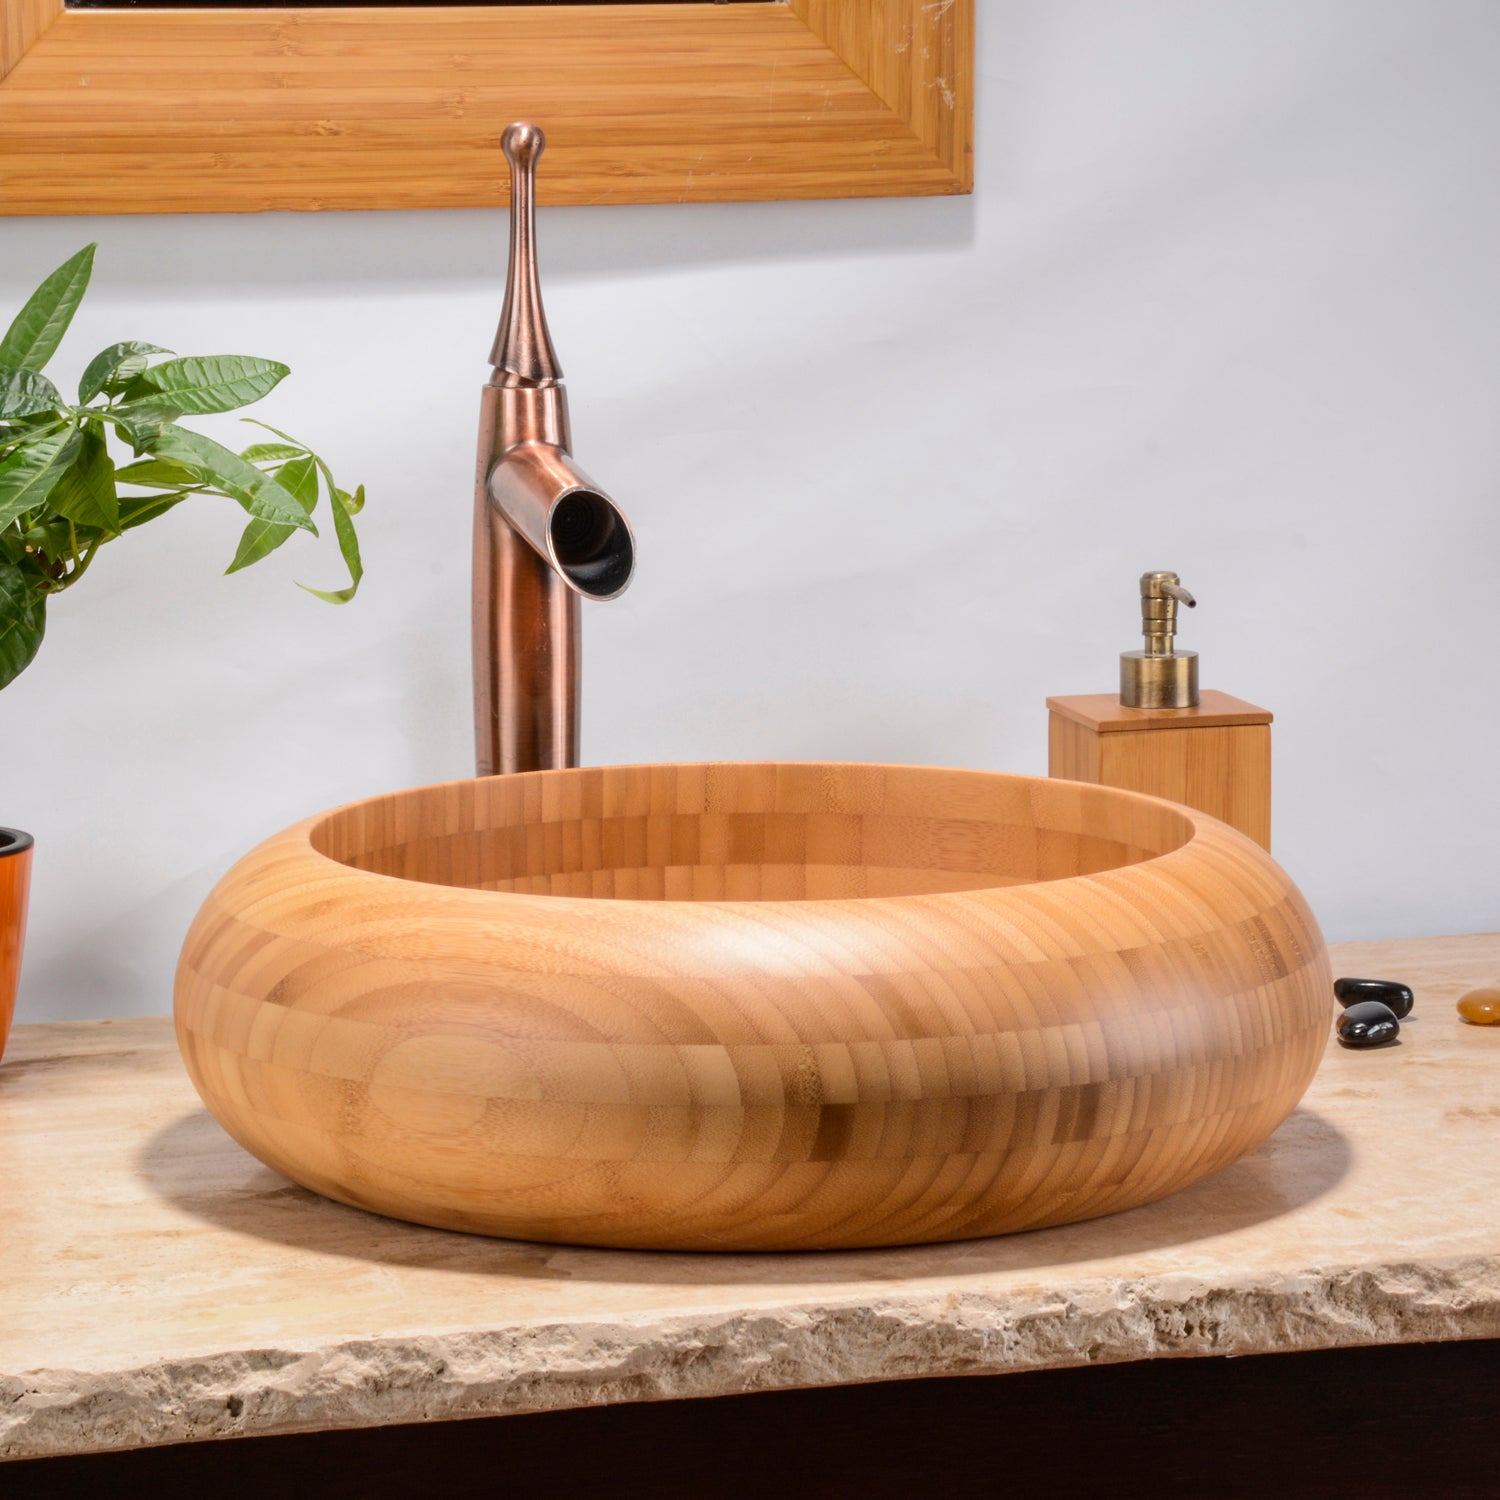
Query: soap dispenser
x,y
1159,675
1163,736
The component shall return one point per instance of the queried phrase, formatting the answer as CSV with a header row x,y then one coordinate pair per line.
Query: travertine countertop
x,y
157,1284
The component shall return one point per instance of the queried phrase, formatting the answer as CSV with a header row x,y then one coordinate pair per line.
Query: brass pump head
x,y
1160,676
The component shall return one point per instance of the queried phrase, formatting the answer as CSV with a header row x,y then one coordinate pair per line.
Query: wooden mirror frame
x,y
225,110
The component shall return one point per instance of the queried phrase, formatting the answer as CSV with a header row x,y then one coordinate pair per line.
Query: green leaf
x,y
299,478
158,473
348,546
86,492
136,510
27,476
24,393
259,539
30,430
286,437
345,506
47,542
140,420
259,453
213,463
112,369
39,326
141,428
23,618
215,383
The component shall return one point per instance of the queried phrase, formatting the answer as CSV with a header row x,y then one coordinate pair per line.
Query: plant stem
x,y
80,567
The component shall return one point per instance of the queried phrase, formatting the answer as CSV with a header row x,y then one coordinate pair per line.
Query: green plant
x,y
61,495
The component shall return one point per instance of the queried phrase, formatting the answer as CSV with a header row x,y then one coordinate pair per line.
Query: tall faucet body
x,y
545,535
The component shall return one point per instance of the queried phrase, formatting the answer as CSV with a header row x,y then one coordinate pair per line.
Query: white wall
x,y
1226,300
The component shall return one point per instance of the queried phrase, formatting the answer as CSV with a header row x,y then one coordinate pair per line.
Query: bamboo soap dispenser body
x,y
1163,736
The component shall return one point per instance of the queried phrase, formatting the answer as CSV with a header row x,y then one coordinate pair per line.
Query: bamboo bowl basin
x,y
753,1006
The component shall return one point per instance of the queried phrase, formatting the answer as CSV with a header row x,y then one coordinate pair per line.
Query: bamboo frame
x,y
233,110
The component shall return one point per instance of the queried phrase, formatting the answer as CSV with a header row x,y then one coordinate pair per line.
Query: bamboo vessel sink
x,y
753,1006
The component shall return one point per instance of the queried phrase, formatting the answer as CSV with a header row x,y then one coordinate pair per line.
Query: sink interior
x,y
748,831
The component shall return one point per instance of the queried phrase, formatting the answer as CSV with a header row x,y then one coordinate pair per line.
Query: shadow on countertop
x,y
1301,1162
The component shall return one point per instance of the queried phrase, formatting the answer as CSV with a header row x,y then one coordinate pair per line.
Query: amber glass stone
x,y
1481,1007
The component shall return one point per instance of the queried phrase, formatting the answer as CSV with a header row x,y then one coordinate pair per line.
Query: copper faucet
x,y
545,535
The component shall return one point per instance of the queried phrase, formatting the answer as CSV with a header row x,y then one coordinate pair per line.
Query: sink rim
x,y
1190,822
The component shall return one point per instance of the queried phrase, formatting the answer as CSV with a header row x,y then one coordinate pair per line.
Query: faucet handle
x,y
523,346
523,143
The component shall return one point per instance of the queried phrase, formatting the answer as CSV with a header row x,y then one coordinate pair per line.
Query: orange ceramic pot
x,y
15,882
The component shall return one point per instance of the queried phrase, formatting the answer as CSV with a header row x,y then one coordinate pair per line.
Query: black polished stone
x,y
1368,1023
1387,991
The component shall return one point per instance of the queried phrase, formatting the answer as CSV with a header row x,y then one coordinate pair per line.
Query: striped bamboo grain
x,y
753,1006
1215,757
235,109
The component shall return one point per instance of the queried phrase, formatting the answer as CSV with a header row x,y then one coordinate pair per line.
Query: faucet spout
x,y
568,520
545,535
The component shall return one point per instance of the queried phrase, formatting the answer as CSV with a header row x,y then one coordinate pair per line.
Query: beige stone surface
x,y
157,1284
